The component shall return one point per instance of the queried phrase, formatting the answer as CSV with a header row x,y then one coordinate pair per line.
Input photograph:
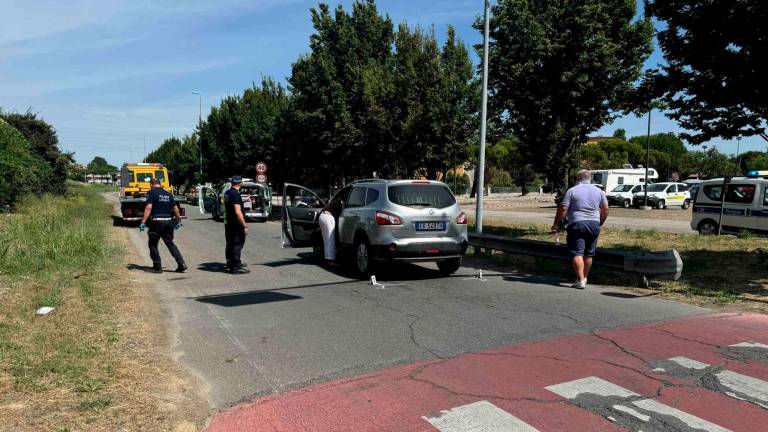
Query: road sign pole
x,y
483,120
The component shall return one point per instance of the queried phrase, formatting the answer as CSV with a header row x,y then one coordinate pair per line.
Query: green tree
x,y
181,158
667,143
753,160
620,133
99,165
560,69
714,73
708,164
239,132
44,142
22,171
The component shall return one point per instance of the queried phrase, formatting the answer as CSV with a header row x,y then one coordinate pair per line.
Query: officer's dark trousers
x,y
235,236
162,230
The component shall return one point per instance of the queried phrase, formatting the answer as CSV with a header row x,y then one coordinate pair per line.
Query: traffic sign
x,y
261,167
261,178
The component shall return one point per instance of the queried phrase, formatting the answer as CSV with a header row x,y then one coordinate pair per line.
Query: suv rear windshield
x,y
421,195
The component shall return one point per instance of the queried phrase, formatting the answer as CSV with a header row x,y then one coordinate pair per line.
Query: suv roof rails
x,y
373,180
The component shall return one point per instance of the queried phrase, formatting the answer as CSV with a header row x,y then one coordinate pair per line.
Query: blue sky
x,y
111,75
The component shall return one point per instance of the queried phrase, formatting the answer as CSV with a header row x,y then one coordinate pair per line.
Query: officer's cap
x,y
237,179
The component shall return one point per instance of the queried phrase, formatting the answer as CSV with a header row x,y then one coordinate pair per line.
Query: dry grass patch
x,y
716,270
100,361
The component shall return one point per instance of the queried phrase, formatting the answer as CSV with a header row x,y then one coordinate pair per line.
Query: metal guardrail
x,y
665,265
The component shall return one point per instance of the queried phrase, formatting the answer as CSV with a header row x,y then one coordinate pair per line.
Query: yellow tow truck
x,y
134,185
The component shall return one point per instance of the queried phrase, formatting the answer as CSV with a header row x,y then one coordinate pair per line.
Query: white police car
x,y
661,195
623,194
744,206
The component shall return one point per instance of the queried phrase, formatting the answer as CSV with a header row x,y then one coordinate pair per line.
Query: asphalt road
x,y
291,323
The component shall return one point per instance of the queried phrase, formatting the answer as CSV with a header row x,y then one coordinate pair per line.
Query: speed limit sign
x,y
261,167
261,178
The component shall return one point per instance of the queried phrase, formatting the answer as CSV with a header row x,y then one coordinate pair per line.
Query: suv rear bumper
x,y
426,249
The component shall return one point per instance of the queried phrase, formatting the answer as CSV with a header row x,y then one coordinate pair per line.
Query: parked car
x,y
257,200
745,206
661,195
623,194
382,220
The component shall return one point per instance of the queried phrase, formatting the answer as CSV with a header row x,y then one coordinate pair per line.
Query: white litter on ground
x,y
45,310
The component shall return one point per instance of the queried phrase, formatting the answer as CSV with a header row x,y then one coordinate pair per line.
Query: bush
x,y
21,171
499,178
462,183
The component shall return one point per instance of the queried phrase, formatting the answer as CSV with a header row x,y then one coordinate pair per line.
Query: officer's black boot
x,y
157,268
181,268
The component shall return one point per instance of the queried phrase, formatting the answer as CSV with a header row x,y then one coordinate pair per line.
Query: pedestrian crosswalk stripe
x,y
596,386
750,345
481,416
736,383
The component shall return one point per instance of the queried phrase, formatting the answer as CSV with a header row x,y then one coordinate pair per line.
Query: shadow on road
x,y
146,268
628,295
213,267
246,298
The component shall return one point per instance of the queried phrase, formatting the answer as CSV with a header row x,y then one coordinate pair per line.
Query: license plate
x,y
430,226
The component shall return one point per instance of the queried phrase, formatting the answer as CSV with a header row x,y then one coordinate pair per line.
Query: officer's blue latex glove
x,y
142,227
178,225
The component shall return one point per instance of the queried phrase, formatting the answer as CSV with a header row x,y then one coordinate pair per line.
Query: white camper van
x,y
607,180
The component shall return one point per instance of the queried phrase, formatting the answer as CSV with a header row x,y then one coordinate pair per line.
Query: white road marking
x,y
735,382
600,387
746,385
481,416
690,420
593,385
630,411
689,363
750,345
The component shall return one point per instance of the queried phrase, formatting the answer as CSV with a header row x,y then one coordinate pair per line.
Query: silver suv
x,y
382,220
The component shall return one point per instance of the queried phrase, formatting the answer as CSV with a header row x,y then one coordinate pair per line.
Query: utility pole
x,y
738,159
483,121
647,160
199,125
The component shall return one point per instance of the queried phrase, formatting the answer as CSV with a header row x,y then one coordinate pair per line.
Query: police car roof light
x,y
757,173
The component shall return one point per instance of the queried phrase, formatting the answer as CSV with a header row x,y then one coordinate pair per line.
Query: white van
x,y
661,195
745,206
257,199
607,180
623,194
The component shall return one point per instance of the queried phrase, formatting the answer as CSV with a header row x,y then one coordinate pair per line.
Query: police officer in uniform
x,y
164,217
235,227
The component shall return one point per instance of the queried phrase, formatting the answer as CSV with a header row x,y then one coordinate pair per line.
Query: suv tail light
x,y
461,219
384,218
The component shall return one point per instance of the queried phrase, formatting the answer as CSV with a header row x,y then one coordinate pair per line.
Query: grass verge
x,y
719,269
86,365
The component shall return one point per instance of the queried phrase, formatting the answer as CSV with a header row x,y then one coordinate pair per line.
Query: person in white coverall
x,y
328,219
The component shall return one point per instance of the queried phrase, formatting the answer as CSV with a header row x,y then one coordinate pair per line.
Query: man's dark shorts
x,y
582,238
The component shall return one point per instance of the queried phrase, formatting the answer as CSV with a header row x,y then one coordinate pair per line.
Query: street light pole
x,y
738,160
199,124
647,161
483,120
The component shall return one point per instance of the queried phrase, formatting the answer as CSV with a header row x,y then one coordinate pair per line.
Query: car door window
x,y
356,197
371,197
672,189
765,197
740,193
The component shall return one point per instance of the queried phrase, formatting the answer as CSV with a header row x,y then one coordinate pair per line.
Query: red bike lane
x,y
702,373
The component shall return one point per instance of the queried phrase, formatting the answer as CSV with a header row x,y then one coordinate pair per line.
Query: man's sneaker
x,y
579,284
239,270
181,268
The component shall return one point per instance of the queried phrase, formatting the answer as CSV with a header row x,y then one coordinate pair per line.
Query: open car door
x,y
207,199
301,210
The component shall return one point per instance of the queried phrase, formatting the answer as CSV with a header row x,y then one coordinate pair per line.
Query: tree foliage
x,y
21,170
100,166
708,164
181,158
714,77
370,99
559,69
44,143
